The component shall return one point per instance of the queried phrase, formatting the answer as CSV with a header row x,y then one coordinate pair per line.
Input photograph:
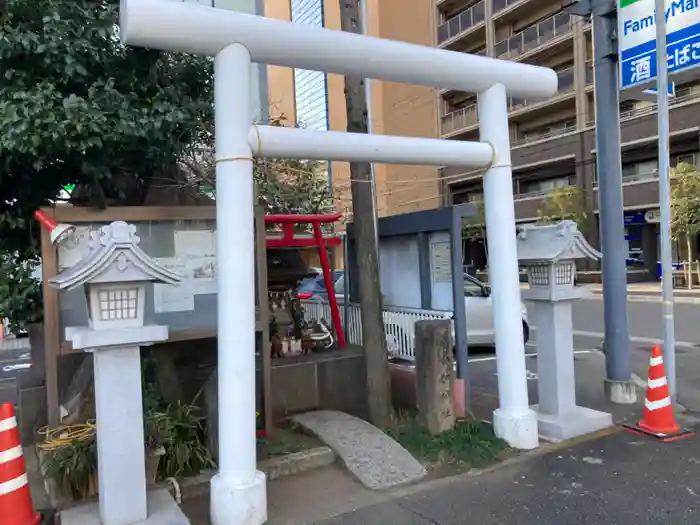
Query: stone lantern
x,y
549,255
114,275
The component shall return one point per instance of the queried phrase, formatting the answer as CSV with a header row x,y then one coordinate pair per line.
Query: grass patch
x,y
283,441
470,444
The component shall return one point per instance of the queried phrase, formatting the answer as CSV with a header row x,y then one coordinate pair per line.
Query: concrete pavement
x,y
621,478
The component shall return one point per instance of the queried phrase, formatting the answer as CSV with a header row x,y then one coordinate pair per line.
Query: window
x,y
626,106
310,90
472,288
545,185
640,171
687,158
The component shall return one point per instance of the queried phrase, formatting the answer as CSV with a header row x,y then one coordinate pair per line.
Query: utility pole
x,y
665,197
373,335
619,387
364,23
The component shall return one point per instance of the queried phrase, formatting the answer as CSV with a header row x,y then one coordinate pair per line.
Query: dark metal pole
x,y
459,306
618,385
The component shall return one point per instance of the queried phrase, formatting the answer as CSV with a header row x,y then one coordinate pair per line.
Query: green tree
x,y
562,204
474,228
685,209
77,107
283,185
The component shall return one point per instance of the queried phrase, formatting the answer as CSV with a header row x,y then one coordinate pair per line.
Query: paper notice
x,y
199,243
75,248
203,271
174,298
441,262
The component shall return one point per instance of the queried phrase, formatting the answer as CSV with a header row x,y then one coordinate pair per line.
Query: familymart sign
x,y
637,39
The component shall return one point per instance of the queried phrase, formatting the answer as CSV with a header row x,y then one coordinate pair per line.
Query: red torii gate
x,y
289,239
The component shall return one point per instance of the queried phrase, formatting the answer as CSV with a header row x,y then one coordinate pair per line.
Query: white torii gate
x,y
238,492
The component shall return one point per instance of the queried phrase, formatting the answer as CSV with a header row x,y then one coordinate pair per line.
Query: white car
x,y
479,307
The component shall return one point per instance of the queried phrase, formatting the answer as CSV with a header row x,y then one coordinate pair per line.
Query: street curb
x,y
642,297
274,468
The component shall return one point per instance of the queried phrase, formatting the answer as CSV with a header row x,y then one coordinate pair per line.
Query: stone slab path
x,y
374,458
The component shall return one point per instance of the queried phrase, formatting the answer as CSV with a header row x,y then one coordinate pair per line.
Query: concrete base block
x,y
519,430
620,392
162,510
236,504
578,422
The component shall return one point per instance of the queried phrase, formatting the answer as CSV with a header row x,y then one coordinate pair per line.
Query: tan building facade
x,y
397,109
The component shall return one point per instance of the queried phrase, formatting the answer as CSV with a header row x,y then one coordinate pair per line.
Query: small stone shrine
x,y
549,255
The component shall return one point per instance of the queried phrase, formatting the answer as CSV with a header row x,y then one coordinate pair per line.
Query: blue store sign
x,y
635,218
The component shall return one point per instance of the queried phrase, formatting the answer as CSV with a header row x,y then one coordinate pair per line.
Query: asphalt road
x,y
644,319
619,479
14,357
645,327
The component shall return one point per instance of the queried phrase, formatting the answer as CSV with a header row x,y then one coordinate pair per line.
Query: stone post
x,y
435,375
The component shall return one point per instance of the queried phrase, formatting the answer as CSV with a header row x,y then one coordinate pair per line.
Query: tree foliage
x,y
562,204
282,185
77,107
474,228
120,123
685,204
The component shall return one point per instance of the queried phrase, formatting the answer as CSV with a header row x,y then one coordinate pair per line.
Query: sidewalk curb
x,y
274,468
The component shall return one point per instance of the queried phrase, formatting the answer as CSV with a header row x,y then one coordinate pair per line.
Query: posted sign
x,y
637,38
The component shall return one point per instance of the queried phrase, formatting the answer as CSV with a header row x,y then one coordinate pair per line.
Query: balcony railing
x,y
535,36
460,23
467,116
549,134
518,195
637,177
500,5
589,73
462,118
566,85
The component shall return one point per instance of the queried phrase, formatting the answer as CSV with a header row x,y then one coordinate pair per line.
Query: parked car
x,y
477,298
479,307
314,288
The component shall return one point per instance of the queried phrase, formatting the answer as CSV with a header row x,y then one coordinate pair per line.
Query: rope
x,y
251,159
65,434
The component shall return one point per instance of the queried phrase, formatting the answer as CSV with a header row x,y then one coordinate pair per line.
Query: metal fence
x,y
399,324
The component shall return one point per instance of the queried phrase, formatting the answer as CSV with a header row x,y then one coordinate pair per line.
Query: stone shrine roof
x,y
114,257
554,242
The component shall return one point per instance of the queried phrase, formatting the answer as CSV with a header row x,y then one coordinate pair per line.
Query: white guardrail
x,y
399,324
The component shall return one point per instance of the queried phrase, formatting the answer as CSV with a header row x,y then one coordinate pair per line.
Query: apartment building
x,y
553,141
317,100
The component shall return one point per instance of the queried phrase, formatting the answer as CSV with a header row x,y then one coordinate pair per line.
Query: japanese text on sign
x,y
680,55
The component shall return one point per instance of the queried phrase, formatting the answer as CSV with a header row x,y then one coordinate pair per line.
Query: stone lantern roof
x,y
553,243
114,257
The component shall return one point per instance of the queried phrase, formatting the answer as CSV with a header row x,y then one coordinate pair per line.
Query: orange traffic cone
x,y
15,498
658,420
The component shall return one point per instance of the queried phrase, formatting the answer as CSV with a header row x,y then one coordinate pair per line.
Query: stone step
x,y
373,457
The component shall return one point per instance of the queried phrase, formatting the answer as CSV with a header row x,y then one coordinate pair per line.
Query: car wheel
x,y
526,332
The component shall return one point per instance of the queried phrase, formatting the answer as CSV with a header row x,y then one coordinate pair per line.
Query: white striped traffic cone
x,y
15,498
658,420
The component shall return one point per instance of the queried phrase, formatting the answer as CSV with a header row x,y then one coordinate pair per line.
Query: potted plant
x,y
156,434
71,466
186,452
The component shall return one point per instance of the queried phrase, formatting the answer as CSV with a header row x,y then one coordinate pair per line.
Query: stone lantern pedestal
x,y
114,276
549,254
